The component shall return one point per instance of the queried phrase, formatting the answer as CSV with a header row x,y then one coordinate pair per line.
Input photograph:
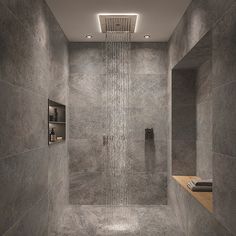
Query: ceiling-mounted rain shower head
x,y
118,22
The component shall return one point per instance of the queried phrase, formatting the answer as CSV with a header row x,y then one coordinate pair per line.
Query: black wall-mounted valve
x,y
149,133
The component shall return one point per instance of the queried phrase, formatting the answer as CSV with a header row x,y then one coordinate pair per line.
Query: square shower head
x,y
118,22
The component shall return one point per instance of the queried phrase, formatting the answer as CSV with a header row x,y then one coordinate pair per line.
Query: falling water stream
x,y
117,166
117,104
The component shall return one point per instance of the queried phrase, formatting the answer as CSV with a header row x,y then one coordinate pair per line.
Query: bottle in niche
x,y
55,114
53,137
50,117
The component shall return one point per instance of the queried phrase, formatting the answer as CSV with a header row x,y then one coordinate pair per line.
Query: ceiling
x,y
157,18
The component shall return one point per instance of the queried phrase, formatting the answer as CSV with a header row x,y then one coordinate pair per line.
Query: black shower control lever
x,y
149,133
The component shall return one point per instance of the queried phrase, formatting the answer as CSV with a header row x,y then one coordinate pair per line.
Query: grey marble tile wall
x,y
193,218
33,68
200,18
224,113
148,109
204,120
86,123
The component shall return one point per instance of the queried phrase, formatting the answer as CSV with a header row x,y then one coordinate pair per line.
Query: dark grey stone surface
x,y
224,113
147,188
24,180
148,58
225,190
34,222
200,17
33,68
183,87
183,157
87,116
86,155
193,218
23,120
147,158
183,122
224,51
57,202
86,188
204,124
214,20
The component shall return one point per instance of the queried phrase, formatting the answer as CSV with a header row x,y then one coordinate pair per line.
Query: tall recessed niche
x,y
192,112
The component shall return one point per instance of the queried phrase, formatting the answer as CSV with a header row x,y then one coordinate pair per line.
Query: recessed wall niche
x,y
192,112
56,122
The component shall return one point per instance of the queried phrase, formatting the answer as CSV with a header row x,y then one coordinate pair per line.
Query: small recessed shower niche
x,y
56,122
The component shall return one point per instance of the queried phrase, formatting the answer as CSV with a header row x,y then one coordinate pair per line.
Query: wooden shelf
x,y
56,122
59,141
205,198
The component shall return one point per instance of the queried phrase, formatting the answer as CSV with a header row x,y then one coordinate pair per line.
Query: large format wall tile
x,y
21,65
147,118
193,218
23,120
183,87
86,89
224,50
86,155
204,82
57,164
24,180
224,113
31,15
87,188
87,112
200,17
204,159
57,202
86,58
148,90
148,156
215,98
33,68
204,121
34,222
178,45
149,58
87,122
184,123
183,157
225,190
147,188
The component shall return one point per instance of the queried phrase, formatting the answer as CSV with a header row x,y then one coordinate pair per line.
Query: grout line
x,y
25,89
223,154
20,153
223,85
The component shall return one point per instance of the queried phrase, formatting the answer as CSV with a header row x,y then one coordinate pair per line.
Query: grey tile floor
x,y
120,221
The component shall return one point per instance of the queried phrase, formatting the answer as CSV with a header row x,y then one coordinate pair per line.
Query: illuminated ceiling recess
x,y
118,22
